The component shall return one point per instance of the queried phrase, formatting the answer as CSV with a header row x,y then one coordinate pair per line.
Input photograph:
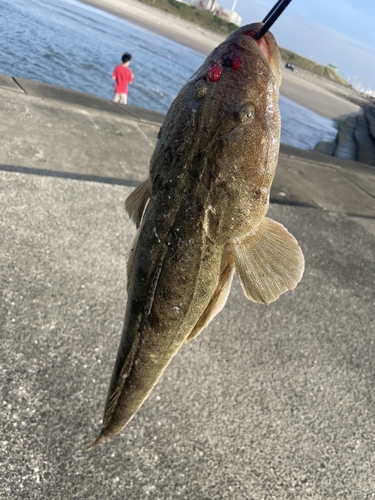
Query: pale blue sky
x,y
340,32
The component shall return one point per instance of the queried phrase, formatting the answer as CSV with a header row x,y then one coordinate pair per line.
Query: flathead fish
x,y
201,216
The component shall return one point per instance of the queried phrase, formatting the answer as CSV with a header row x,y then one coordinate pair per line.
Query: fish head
x,y
234,97
223,128
242,50
238,84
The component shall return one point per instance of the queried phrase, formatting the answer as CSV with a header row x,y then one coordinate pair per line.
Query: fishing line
x,y
154,54
271,17
268,21
144,65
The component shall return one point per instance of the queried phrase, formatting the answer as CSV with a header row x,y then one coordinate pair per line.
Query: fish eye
x,y
245,112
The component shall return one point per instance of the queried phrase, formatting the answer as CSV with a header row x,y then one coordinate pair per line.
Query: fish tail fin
x,y
137,200
100,439
114,420
268,262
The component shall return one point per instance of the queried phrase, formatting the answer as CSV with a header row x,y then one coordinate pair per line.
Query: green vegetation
x,y
307,64
206,20
201,18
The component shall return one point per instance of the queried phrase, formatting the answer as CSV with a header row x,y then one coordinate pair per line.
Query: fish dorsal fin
x,y
268,262
137,200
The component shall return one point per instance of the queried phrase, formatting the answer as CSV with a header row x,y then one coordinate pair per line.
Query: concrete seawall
x,y
268,402
356,135
355,139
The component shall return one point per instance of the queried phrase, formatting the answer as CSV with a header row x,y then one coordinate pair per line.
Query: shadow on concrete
x,y
68,175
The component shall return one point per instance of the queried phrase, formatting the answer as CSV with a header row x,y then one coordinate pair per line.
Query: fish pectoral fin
x,y
269,262
137,200
217,301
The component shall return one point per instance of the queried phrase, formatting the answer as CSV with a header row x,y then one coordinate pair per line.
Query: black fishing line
x,y
271,17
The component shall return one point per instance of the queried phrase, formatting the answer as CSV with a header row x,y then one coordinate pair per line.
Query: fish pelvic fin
x,y
268,262
219,297
136,202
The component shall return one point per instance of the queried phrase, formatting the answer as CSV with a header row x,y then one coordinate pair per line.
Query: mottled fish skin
x,y
201,215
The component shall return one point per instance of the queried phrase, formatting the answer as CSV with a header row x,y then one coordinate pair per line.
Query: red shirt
x,y
123,76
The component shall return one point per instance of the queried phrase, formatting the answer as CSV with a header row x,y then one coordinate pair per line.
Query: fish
x,y
201,216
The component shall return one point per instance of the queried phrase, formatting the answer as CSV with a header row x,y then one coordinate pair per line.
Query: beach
x,y
162,23
311,91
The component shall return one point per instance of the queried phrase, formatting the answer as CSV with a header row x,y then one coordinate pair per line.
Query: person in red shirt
x,y
123,75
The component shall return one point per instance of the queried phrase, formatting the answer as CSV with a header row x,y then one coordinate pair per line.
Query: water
x,y
67,43
303,128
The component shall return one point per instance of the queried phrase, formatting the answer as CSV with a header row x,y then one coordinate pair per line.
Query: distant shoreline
x,y
162,23
312,93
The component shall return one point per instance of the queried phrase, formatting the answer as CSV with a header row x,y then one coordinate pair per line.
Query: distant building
x,y
332,66
212,6
230,15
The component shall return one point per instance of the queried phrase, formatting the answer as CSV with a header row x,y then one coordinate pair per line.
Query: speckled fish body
x,y
201,216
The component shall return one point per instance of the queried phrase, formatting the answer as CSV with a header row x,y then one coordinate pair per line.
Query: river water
x,y
67,43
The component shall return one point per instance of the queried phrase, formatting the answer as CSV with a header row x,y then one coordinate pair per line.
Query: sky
x,y
338,32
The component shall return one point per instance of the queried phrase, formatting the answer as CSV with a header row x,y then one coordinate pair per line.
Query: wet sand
x,y
313,92
324,97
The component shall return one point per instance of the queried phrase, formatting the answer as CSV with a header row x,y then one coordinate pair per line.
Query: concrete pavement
x,y
268,402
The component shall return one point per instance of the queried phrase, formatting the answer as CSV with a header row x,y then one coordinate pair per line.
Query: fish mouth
x,y
262,44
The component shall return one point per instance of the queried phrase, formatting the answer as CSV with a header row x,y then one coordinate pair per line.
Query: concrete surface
x,y
62,130
269,402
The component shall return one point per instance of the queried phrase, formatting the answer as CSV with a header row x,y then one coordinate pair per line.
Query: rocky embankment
x,y
355,139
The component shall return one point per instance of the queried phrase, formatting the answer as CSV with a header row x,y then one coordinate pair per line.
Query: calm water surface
x,y
67,43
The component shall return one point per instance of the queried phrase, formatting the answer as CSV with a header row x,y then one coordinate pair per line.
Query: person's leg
x,y
117,98
124,98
